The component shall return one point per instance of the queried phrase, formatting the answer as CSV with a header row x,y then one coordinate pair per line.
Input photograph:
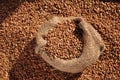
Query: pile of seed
x,y
64,41
18,28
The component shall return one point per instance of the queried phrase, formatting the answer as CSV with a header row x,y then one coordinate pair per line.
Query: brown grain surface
x,y
4,67
64,41
18,28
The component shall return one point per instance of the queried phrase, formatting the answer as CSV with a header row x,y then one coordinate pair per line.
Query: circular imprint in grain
x,y
64,41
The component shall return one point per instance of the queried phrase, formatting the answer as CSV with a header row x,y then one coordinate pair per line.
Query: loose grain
x,y
17,21
64,41
4,67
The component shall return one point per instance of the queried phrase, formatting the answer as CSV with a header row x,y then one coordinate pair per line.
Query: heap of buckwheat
x,y
64,41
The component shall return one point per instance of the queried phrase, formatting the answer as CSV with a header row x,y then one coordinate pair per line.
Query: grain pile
x,y
64,41
18,20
